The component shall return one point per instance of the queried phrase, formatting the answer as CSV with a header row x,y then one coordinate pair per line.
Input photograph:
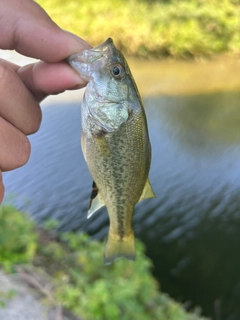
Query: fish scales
x,y
115,142
109,174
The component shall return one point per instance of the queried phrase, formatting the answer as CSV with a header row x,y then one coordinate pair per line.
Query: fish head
x,y
101,62
106,68
111,88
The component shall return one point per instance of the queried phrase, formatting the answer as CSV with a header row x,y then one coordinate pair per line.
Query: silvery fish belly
x,y
115,142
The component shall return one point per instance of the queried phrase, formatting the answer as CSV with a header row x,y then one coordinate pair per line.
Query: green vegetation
x,y
177,28
18,240
80,281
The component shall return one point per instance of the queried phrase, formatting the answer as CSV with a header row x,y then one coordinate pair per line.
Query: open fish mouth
x,y
103,46
88,61
91,55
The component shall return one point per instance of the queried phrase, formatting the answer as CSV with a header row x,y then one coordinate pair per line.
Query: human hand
x,y
25,27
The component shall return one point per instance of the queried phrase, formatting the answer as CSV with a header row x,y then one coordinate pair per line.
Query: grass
x,y
176,28
76,277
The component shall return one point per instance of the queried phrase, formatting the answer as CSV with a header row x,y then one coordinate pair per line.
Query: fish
x,y
115,143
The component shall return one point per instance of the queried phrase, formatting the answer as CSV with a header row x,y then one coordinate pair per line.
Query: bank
x,y
147,28
67,272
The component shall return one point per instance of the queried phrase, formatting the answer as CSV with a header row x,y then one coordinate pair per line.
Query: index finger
x,y
33,33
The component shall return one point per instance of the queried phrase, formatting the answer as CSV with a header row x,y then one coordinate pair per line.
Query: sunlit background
x,y
184,56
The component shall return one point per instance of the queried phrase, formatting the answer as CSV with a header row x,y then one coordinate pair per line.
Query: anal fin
x,y
147,191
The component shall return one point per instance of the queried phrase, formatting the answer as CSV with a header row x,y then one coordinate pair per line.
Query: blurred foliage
x,y
80,281
18,238
177,28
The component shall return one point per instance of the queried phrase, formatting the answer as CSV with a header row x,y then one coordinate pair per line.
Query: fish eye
x,y
117,71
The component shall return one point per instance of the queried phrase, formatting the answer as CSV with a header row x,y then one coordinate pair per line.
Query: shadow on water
x,y
192,228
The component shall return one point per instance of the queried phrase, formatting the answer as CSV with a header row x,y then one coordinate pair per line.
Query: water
x,y
192,228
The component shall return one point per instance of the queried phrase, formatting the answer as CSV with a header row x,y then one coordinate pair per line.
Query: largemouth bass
x,y
115,142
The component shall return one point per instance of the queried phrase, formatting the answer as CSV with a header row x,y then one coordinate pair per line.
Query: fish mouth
x,y
91,55
103,46
86,61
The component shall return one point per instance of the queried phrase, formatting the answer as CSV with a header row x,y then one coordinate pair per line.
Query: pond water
x,y
192,229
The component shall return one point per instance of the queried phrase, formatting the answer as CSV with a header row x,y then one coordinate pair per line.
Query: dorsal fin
x,y
147,191
96,201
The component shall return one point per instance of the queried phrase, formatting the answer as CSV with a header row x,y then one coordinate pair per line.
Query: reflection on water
x,y
192,228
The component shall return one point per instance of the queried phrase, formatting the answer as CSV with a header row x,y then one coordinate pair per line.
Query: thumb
x,y
2,189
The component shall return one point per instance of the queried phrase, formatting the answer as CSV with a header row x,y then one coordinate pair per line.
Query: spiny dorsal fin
x,y
96,201
147,192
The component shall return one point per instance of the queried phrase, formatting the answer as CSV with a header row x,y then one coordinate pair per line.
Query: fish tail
x,y
117,247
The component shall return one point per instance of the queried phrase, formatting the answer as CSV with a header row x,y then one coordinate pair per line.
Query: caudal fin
x,y
119,247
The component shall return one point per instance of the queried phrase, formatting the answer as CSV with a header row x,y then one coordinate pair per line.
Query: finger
x,y
9,64
14,146
17,104
2,189
43,78
33,33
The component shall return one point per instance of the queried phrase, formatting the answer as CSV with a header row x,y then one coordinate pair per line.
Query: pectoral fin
x,y
96,201
147,192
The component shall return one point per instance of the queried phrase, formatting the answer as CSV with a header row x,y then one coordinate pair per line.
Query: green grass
x,y
80,282
177,28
